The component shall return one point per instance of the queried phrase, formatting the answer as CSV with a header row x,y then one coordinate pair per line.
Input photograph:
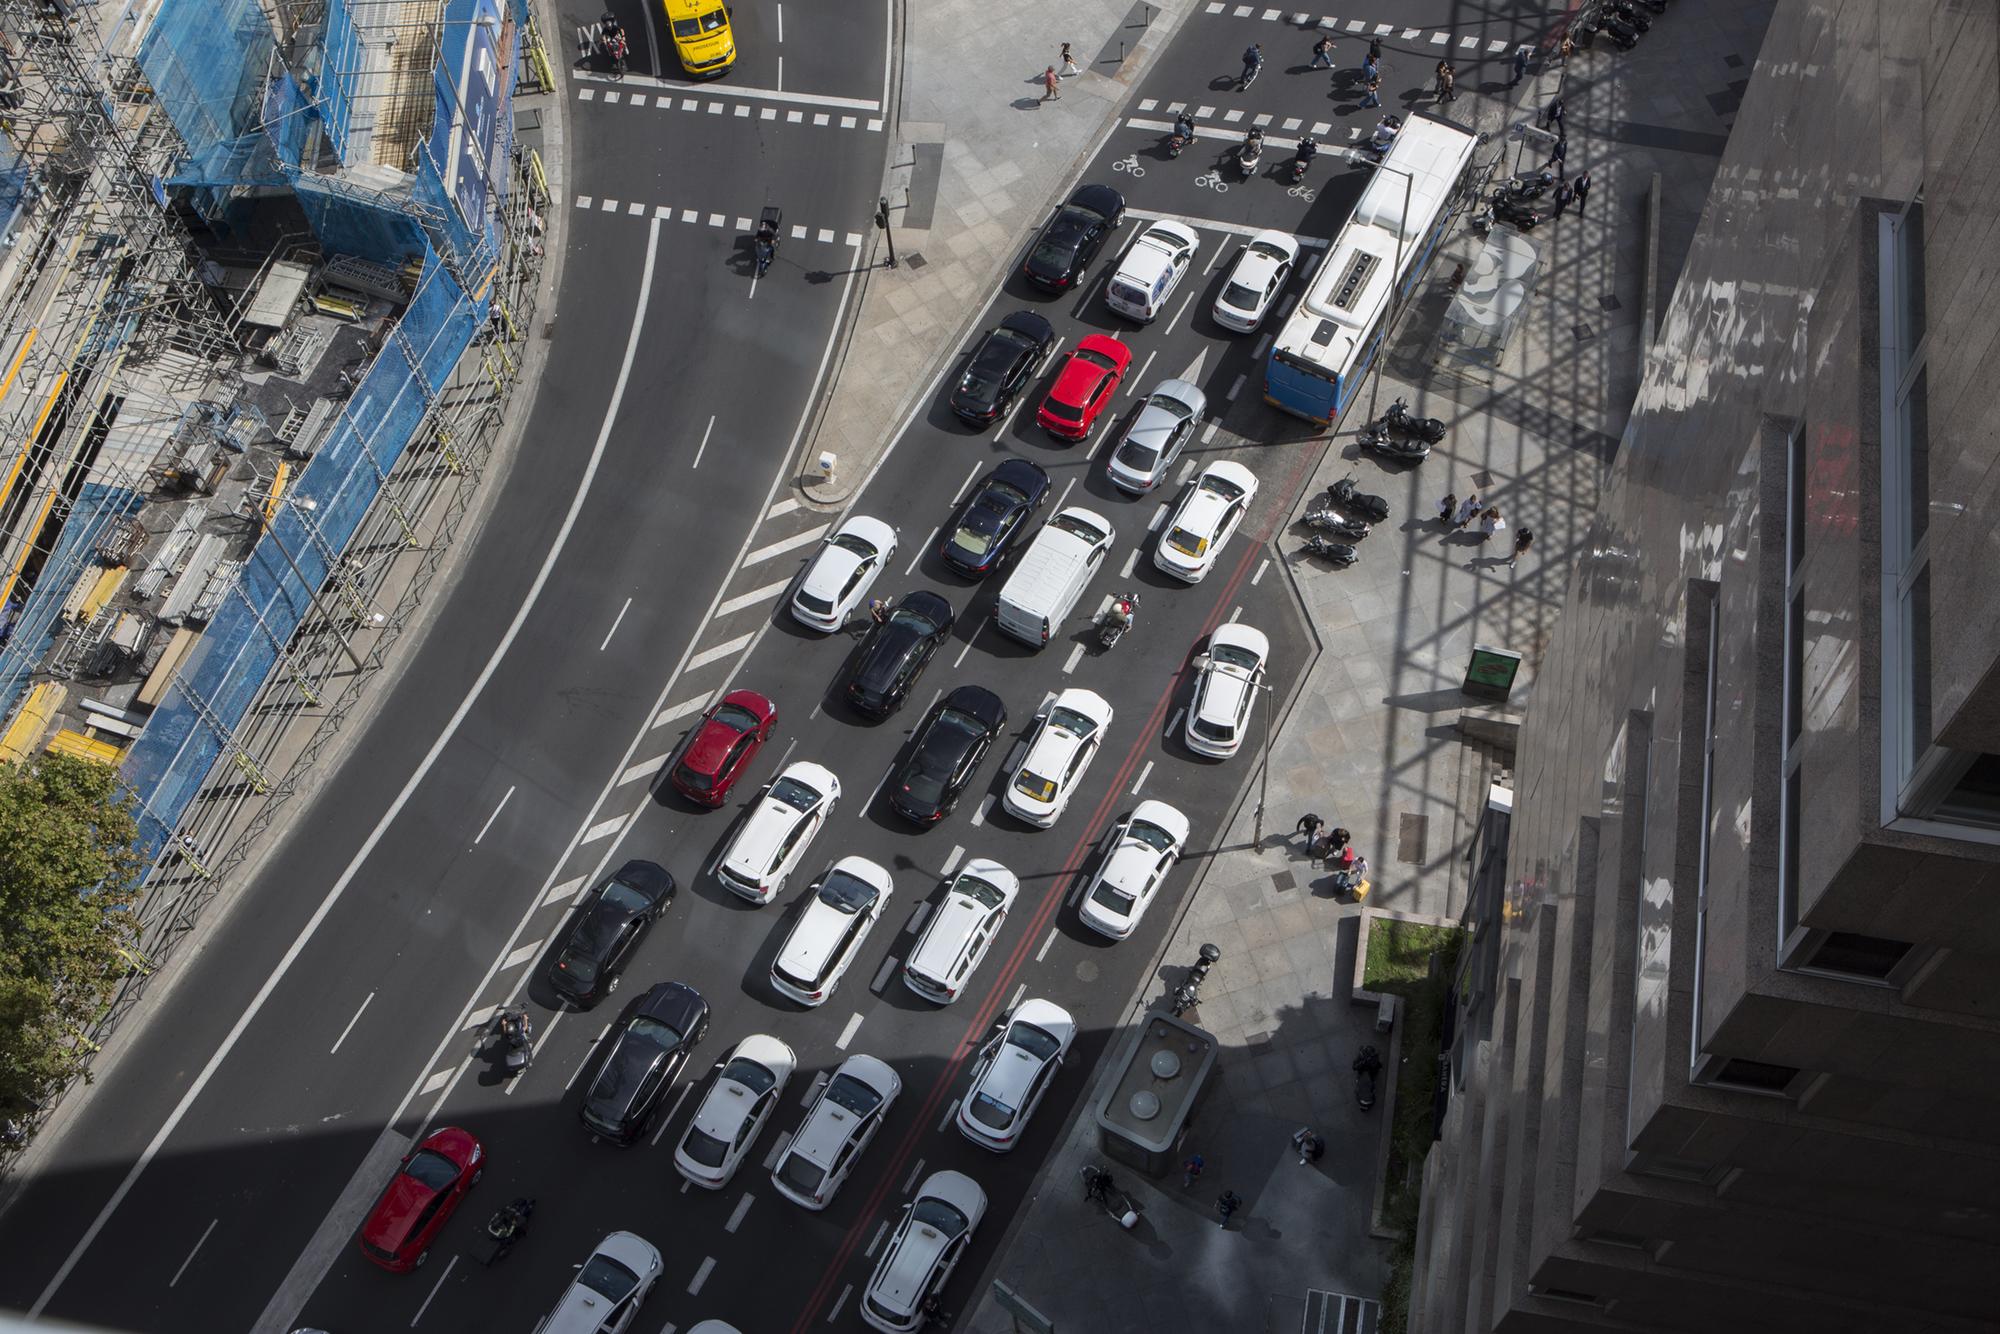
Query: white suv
x,y
846,903
1151,269
843,1117
768,846
960,932
934,1235
608,1289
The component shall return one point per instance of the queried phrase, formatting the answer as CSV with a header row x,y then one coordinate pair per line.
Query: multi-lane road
x,y
634,566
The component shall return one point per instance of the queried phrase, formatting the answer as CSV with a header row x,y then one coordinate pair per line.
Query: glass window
x,y
1756,1076
1863,956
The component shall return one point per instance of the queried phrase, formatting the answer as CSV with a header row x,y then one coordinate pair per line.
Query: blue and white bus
x,y
1322,353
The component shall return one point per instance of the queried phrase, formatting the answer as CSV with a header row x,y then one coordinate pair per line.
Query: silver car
x,y
1158,433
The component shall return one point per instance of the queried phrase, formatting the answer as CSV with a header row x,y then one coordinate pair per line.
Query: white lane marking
x,y
588,1052
1182,311
875,1241
752,598
1144,774
883,974
478,1018
520,954
979,816
709,429
607,206
740,90
198,1244
1102,436
1015,1003
643,768
584,201
603,828
777,1150
819,1082
1220,251
672,1111
1131,561
874,796
616,621
917,916
565,891
541,1041
681,710
955,662
910,1181
1063,499
1208,432
719,652
742,1208
1235,614
1187,470
1043,952
438,1080
781,23
1256,578
833,1316
434,1292
781,83
847,1033
780,766
951,862
1075,656
782,545
701,1276
505,797
344,1032
921,547
1159,517
783,507
1174,723
1132,385
1263,346
949,1112
1237,388
959,494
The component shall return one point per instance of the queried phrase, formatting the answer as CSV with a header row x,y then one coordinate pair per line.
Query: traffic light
x,y
882,213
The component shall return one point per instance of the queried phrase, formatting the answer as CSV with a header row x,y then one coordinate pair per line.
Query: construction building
x,y
1725,1053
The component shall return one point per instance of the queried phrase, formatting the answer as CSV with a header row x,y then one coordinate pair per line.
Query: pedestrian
x,y
1445,77
1567,49
1309,1145
1227,1205
1490,522
1522,541
878,610
1520,65
1323,53
1375,51
1467,508
1049,89
1556,156
1446,508
1068,62
1552,115
1191,1170
1564,194
1369,69
1581,187
1373,97
1309,825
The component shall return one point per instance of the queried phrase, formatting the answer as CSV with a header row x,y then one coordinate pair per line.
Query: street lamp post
x,y
1359,159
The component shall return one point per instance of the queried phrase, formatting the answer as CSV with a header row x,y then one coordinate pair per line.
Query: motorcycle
x,y
1397,449
1367,1066
1099,1188
1383,139
612,38
508,1225
1340,553
1398,419
766,241
514,1029
1177,142
1307,150
1629,14
1188,994
1516,215
1248,156
1116,619
1344,494
1331,521
1533,187
1624,34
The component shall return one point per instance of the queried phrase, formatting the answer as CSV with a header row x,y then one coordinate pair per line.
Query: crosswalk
x,y
808,112
632,208
1357,27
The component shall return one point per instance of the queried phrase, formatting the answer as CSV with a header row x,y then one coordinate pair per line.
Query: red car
x,y
427,1187
721,748
1085,384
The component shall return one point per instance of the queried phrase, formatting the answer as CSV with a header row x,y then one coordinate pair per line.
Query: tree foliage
x,y
68,876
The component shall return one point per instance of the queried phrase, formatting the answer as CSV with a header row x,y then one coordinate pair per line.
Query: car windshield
x,y
1215,731
1138,455
1069,523
815,604
1090,356
622,896
1062,411
695,779
1111,897
431,1168
750,1074
1186,541
1241,297
704,1148
712,21
1154,837
801,1173
853,542
1031,784
1053,255
1037,1042
979,891
1229,655
736,718
1222,486
645,1028
1069,720
604,1275
906,619
791,792
846,893
941,1216
973,542
1000,497
849,1092
990,1111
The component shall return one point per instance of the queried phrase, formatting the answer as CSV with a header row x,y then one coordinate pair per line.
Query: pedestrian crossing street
x,y
1355,27
702,217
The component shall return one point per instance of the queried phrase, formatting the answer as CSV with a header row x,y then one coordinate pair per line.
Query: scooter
x,y
1398,419
508,1225
1177,143
1340,553
1383,139
1624,34
514,1028
1249,155
1534,187
1344,494
1516,215
1101,1189
1366,1067
1336,523
1629,14
1307,150
1398,449
1116,620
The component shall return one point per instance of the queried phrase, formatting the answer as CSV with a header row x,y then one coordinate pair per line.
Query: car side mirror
x,y
1201,662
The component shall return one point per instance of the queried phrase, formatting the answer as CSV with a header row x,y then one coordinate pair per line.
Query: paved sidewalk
x,y
1372,740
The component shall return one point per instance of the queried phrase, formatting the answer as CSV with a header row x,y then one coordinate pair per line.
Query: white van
x,y
1052,574
1151,269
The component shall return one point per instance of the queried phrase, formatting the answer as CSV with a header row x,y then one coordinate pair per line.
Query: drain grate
x,y
1584,333
1482,480
1284,881
914,260
1609,303
1412,832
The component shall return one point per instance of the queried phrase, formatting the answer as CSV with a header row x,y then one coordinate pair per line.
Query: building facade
x,y
1727,1051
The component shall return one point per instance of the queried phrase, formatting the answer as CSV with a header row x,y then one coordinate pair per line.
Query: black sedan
x,y
643,1055
898,648
1005,360
608,929
1072,238
953,740
992,517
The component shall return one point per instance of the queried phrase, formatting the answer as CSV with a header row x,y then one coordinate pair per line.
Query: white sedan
x,y
933,1237
1232,672
770,842
1144,847
733,1114
842,572
1064,741
1202,524
1015,1069
1255,280
844,906
608,1289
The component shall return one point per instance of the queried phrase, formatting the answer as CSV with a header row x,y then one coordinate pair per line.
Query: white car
x,y
843,908
842,572
1255,280
1159,432
1064,741
843,1117
1150,270
1016,1067
730,1118
934,1235
1232,672
771,841
961,930
1144,847
608,1290
1201,525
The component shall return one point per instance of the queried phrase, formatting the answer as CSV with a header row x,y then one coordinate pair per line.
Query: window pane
x,y
1863,956
1915,412
1975,798
1795,666
1916,628
1788,858
1757,1075
1795,501
1910,312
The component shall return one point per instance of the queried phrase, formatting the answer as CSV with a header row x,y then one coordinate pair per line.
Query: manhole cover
x,y
1165,1064
1144,1106
1583,332
1086,971
1283,881
915,260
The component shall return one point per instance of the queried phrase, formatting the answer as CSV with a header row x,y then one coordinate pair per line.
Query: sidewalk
x,y
1372,740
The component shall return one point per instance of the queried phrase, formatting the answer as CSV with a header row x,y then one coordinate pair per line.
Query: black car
x,y
608,929
946,753
1004,361
1072,238
898,648
992,517
642,1057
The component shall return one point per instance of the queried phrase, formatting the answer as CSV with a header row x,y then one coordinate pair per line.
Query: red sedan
x,y
722,746
414,1206
1084,386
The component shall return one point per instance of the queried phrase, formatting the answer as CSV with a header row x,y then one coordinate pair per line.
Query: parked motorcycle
x,y
1188,994
1340,553
1629,14
1524,188
1399,419
1099,1188
1344,494
1515,214
1367,1066
1116,619
1399,449
1335,523
1624,34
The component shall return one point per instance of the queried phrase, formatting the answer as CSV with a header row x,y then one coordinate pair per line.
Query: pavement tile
x,y
1260,926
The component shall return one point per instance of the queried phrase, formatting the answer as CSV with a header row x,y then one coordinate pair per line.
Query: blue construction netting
x,y
462,168
206,61
239,649
288,121
31,631
340,70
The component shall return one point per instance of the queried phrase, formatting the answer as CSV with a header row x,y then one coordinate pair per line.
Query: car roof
x,y
1130,866
1222,694
1235,634
945,936
728,1102
830,1124
1166,817
675,1004
1098,198
1029,323
828,574
978,701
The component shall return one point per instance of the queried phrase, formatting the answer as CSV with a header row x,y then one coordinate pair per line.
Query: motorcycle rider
x,y
1184,127
1308,148
1253,60
611,35
1253,144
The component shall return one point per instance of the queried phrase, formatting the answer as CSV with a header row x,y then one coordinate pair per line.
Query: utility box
x,y
1157,1076
1385,1014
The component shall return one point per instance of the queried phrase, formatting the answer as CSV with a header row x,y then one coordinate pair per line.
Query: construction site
x,y
267,276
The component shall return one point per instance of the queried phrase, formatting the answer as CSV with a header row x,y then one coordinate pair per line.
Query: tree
x,y
68,877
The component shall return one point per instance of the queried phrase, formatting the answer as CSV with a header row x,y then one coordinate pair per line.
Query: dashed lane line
x,y
675,712
719,652
784,544
753,597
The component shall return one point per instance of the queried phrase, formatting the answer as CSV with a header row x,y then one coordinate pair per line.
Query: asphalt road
x,y
280,1126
